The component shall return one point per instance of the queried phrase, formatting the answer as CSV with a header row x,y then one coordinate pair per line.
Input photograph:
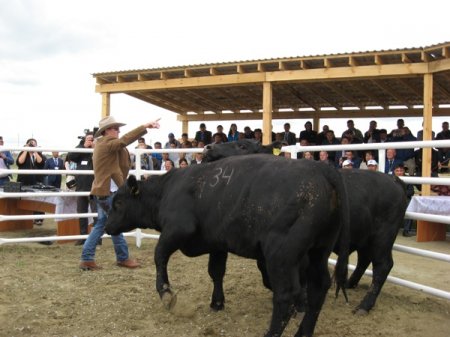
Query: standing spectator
x,y
6,159
384,138
373,134
141,141
184,138
356,133
321,136
391,161
219,129
172,140
443,160
30,160
350,155
397,132
406,155
84,182
399,171
258,135
420,134
330,139
289,136
174,156
203,135
233,133
248,133
54,163
444,134
309,134
111,166
157,156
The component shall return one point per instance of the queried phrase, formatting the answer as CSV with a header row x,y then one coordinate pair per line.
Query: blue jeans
x,y
120,245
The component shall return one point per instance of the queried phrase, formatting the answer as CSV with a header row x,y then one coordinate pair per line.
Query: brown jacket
x,y
111,160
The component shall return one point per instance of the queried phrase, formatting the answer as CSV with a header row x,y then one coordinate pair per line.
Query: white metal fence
x,y
139,235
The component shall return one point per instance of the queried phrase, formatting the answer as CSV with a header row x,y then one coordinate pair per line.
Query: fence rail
x,y
139,235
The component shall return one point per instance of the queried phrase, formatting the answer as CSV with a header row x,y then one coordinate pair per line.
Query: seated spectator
x,y
391,161
330,139
323,157
368,155
420,134
198,158
308,155
349,155
182,163
217,138
372,165
168,165
347,164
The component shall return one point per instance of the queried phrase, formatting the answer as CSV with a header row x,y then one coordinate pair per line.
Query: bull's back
x,y
240,201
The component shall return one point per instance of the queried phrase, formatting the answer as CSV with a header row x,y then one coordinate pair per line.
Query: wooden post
x,y
427,114
185,126
267,113
106,104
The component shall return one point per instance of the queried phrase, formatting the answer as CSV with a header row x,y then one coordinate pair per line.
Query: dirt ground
x,y
43,293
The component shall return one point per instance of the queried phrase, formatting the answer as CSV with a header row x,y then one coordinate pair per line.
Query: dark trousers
x,y
83,204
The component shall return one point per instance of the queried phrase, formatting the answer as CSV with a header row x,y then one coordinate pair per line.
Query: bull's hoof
x,y
360,312
169,300
217,306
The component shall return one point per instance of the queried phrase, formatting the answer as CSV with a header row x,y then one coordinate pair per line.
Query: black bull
x,y
287,214
377,208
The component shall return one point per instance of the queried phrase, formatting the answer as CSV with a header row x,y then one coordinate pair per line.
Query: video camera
x,y
86,131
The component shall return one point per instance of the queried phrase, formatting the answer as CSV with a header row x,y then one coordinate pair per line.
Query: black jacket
x,y
84,162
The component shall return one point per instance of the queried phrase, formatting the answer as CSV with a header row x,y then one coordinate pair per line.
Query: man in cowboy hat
x,y
111,165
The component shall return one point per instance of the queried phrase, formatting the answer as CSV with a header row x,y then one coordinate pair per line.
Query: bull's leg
x,y
364,260
216,269
261,263
318,283
163,251
284,280
382,265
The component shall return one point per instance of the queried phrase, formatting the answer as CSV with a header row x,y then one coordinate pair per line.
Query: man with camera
x,y
83,183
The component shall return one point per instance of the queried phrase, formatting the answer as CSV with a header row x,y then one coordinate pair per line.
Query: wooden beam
x,y
106,104
267,112
427,127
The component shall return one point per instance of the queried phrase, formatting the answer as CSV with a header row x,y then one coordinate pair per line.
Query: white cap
x,y
372,162
347,163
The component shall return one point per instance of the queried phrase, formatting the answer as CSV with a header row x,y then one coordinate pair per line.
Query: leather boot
x,y
89,265
130,263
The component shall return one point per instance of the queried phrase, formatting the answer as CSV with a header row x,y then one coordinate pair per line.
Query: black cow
x,y
285,213
377,209
243,146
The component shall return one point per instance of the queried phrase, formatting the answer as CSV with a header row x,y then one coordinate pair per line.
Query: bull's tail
x,y
343,240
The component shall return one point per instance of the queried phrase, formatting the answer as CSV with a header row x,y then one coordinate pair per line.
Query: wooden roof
x,y
360,84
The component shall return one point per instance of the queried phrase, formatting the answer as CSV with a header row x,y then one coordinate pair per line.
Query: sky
x,y
49,50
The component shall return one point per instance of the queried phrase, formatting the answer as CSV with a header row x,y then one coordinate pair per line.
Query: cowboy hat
x,y
105,123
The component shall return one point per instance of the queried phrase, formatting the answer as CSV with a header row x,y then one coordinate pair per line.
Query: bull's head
x,y
213,152
128,210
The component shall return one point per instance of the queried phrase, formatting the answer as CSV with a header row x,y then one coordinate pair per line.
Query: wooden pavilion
x,y
410,82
